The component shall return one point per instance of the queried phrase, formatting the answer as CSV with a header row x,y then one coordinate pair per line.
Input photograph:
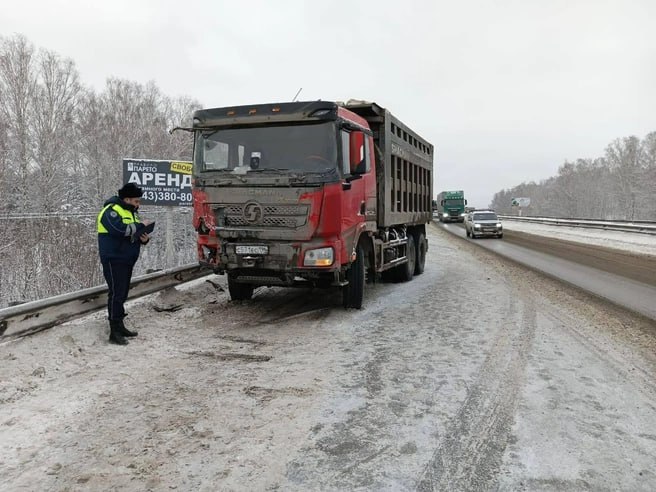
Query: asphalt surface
x,y
623,278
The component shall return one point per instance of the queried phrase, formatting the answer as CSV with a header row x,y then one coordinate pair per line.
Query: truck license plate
x,y
252,250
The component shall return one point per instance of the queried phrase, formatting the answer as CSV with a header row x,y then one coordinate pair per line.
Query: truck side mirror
x,y
357,161
442,203
465,202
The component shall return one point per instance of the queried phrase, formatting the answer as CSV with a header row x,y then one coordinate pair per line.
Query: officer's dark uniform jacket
x,y
118,227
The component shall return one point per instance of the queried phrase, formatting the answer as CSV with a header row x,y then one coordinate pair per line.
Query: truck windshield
x,y
307,148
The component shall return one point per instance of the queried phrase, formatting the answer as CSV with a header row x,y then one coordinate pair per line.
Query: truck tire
x,y
353,293
239,292
407,270
421,254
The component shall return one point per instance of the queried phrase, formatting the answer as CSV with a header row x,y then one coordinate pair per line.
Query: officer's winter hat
x,y
130,190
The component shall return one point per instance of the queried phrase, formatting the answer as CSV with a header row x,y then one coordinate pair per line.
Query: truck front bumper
x,y
279,263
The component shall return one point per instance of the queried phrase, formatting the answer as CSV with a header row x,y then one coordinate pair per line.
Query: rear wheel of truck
x,y
421,254
239,292
407,270
353,293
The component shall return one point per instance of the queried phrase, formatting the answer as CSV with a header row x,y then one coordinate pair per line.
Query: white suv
x,y
483,223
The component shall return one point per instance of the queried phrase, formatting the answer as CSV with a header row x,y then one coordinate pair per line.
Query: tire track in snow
x,y
470,454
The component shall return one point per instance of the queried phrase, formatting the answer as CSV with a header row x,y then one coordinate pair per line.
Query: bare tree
x,y
623,157
55,102
647,185
18,82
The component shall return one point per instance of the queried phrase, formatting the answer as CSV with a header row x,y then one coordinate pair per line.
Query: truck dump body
x,y
404,174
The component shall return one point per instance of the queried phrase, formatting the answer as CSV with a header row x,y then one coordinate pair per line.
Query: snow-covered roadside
x,y
625,241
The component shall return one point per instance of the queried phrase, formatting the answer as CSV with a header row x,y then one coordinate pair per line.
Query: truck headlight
x,y
477,226
499,225
318,257
445,214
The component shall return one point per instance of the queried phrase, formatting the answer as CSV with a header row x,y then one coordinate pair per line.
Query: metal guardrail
x,y
640,227
31,317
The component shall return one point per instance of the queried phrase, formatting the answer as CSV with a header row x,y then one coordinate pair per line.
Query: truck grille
x,y
283,216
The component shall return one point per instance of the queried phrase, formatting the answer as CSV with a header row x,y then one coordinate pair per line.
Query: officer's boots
x,y
125,332
115,333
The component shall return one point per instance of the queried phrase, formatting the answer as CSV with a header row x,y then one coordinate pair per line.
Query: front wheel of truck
x,y
353,293
239,292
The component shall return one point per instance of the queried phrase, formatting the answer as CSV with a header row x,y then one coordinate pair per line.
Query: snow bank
x,y
625,241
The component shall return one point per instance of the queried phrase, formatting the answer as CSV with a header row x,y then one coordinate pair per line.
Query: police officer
x,y
119,242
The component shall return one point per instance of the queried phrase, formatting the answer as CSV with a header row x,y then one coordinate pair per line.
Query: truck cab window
x,y
356,155
216,154
367,154
346,155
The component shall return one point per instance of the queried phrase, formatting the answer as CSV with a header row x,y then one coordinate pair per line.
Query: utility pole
x,y
170,252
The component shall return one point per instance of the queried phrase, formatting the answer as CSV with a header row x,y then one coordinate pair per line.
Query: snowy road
x,y
477,375
616,287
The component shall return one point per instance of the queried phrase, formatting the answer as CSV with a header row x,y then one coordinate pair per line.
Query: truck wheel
x,y
421,254
353,293
239,292
407,270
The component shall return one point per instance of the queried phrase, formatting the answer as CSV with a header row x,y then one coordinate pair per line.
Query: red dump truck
x,y
313,193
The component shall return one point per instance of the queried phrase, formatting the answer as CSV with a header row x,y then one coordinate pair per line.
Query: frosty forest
x,y
62,145
61,151
620,185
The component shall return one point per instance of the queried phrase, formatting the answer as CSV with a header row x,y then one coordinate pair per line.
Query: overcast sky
x,y
505,90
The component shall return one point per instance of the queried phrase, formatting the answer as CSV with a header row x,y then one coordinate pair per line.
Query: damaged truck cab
x,y
309,193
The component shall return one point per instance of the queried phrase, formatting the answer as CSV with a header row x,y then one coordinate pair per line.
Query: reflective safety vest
x,y
127,217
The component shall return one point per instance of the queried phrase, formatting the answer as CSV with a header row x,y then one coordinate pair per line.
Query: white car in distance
x,y
483,223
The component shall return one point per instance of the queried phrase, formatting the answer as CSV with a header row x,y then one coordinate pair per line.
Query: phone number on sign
x,y
167,196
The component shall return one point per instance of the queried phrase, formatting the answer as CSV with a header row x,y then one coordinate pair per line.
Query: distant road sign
x,y
521,202
163,182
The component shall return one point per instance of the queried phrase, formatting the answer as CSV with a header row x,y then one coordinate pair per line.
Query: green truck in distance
x,y
451,206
